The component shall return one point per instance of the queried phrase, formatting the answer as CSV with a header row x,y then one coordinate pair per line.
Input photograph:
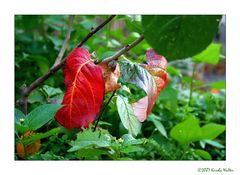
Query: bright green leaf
x,y
212,130
204,154
129,120
210,55
179,36
218,85
187,131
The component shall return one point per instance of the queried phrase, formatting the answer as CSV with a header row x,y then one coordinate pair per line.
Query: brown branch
x,y
95,30
65,43
122,51
25,91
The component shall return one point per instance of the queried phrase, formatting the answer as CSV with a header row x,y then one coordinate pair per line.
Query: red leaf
x,y
156,65
84,91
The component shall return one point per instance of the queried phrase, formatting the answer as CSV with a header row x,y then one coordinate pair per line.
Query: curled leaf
x,y
84,91
111,74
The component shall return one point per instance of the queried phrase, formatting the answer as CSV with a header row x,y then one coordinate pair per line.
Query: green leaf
x,y
128,139
41,115
212,130
210,55
39,136
18,115
179,36
129,120
155,119
52,91
169,98
173,71
214,143
204,154
87,138
218,85
137,75
187,131
37,96
90,153
131,149
42,62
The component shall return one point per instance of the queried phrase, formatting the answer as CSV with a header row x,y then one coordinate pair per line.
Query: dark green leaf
x,y
129,120
18,115
179,36
41,115
39,136
155,119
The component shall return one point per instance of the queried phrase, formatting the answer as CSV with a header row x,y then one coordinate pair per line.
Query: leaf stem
x,y
103,109
191,84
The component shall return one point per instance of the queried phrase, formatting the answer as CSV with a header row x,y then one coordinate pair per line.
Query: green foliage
x,y
179,36
177,128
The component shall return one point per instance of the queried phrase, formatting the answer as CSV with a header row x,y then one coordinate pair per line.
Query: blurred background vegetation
x,y
196,88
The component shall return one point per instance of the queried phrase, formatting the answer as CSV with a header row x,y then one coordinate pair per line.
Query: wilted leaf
x,y
133,73
152,83
84,91
111,74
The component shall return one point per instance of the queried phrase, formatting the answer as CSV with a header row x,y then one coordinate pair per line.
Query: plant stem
x,y
95,30
191,84
65,43
122,51
103,109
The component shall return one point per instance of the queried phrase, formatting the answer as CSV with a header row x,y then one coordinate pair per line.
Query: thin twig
x,y
95,30
25,91
65,43
103,109
122,51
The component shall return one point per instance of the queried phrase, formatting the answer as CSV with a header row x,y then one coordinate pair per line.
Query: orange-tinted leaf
x,y
30,149
84,91
111,75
